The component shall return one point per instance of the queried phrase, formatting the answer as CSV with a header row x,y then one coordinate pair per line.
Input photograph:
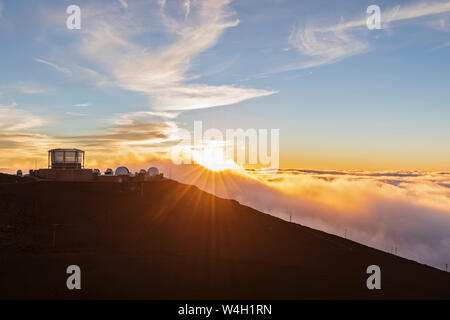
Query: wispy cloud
x,y
124,4
13,119
332,43
187,7
88,104
130,138
30,89
55,66
76,114
440,25
157,114
109,44
162,3
326,46
189,97
23,88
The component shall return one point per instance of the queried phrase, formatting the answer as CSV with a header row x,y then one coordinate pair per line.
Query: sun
x,y
213,158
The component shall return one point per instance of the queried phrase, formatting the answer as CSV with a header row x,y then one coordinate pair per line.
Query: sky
x,y
136,72
363,115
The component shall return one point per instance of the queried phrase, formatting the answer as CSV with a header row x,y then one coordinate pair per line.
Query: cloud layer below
x,y
409,211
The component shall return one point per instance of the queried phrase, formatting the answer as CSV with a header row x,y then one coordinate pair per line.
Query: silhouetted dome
x,y
153,171
122,171
143,172
19,173
108,172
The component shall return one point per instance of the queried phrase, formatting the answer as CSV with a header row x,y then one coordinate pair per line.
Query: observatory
x,y
148,175
153,172
66,159
65,165
122,171
68,165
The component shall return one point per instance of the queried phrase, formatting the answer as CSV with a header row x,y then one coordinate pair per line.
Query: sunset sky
x,y
363,115
121,87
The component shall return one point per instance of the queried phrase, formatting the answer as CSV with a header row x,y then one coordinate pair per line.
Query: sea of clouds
x,y
403,212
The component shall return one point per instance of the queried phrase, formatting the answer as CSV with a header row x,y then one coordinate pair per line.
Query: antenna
x,y
290,216
446,267
345,233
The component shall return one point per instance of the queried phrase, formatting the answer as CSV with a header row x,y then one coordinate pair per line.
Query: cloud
x,y
440,25
56,67
189,97
332,43
327,46
412,215
418,10
134,136
133,132
30,89
162,3
13,119
154,71
23,88
157,114
445,45
93,77
187,6
83,104
76,114
124,4
17,142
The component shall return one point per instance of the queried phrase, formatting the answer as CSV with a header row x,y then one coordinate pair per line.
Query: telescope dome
x,y
153,171
122,171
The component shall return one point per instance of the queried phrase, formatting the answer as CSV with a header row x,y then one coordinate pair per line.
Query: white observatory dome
x,y
153,171
122,171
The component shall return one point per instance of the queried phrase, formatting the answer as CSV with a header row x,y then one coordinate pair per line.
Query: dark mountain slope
x,y
163,239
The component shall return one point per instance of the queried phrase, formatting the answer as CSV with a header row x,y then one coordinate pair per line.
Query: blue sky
x,y
342,96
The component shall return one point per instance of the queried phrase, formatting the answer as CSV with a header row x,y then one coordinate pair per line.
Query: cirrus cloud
x,y
328,44
112,46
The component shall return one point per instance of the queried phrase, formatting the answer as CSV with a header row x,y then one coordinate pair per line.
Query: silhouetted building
x,y
65,165
68,165
66,159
